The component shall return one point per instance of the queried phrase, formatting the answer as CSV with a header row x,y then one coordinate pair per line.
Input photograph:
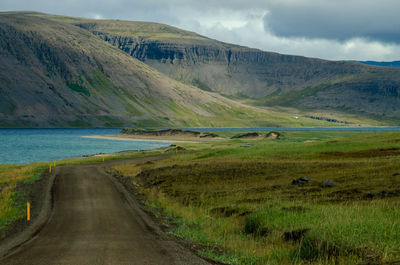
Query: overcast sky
x,y
329,29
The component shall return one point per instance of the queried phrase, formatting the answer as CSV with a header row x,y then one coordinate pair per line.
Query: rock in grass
x,y
328,183
301,181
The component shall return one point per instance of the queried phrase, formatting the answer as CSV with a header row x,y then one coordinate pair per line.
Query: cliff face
x,y
267,78
231,69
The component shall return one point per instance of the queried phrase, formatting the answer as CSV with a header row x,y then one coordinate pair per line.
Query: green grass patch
x,y
78,88
12,203
99,82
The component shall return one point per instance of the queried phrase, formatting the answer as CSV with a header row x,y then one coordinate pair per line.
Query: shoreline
x,y
138,138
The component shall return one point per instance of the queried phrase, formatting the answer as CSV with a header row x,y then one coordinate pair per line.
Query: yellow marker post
x,y
28,211
176,150
55,163
50,169
103,158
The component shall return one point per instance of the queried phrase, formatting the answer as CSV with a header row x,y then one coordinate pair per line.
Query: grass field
x,y
237,197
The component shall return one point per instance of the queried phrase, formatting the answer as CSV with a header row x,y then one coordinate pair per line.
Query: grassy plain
x,y
237,199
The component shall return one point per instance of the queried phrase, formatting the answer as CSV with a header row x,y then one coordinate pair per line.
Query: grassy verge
x,y
238,197
13,201
12,207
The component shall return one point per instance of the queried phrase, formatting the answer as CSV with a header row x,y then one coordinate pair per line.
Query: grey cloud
x,y
127,9
338,19
321,28
111,9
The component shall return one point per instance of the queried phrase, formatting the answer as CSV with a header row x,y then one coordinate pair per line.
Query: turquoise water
x,y
20,146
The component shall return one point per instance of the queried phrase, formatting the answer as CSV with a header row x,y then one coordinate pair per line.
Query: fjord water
x,y
20,146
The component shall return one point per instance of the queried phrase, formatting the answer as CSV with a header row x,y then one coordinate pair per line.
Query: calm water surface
x,y
19,146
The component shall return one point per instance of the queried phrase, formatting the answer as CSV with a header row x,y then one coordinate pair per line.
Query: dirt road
x,y
94,221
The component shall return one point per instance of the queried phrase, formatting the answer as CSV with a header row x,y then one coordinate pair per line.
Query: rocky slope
x,y
268,79
55,74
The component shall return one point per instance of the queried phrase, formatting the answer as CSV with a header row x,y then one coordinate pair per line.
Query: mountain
x,y
386,64
58,71
56,74
261,78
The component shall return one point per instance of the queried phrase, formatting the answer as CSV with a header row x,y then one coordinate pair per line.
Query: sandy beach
x,y
162,139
